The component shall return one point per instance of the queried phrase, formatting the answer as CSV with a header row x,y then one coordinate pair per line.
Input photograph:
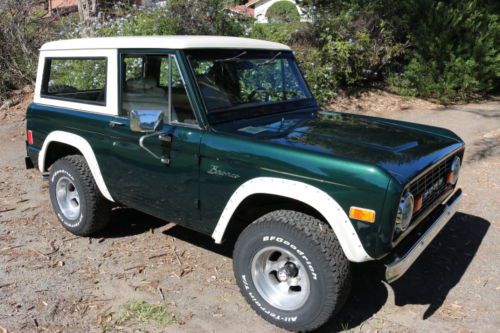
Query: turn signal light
x,y
29,137
417,205
448,177
362,214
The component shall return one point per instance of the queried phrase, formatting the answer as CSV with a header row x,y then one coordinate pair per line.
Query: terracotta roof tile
x,y
242,9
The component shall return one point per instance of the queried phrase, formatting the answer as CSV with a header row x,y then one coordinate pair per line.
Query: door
x,y
161,176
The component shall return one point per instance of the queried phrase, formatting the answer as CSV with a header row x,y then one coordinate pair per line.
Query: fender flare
x,y
310,195
84,147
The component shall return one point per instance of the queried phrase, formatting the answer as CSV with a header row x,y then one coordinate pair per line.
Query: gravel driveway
x,y
51,281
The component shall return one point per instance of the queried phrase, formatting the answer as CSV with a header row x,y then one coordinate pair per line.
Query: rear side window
x,y
75,79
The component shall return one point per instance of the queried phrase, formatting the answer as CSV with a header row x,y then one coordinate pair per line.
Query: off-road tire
x,y
95,210
317,249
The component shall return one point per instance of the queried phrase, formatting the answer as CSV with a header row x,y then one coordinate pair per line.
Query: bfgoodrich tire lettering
x,y
309,243
93,210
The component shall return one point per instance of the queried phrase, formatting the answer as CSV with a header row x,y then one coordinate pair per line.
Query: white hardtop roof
x,y
163,42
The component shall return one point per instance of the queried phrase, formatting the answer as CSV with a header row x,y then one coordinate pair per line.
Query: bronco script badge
x,y
214,170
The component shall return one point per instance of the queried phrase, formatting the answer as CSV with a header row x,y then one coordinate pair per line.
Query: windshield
x,y
245,82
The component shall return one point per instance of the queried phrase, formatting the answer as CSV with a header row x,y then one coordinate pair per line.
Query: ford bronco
x,y
222,135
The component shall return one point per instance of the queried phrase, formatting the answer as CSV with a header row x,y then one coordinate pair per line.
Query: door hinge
x,y
197,159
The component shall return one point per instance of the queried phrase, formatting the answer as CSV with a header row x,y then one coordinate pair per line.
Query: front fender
x,y
309,195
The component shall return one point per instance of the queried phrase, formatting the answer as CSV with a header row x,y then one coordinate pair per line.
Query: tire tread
x,y
322,236
98,207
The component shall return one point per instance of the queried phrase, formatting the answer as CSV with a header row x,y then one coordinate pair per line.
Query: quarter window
x,y
75,79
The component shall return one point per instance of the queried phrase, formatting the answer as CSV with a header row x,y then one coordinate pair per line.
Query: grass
x,y
142,311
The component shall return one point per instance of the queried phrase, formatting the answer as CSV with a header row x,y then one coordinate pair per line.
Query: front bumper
x,y
402,263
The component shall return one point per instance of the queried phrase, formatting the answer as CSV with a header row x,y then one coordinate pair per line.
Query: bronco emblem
x,y
214,170
434,187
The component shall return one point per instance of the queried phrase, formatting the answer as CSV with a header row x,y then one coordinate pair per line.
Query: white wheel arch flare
x,y
84,147
310,195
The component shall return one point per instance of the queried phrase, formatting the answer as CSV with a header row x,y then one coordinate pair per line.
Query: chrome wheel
x,y
68,198
280,278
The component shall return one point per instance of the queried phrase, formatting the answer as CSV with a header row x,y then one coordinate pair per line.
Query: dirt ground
x,y
51,281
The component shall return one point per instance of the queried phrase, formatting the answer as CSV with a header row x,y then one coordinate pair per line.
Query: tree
x,y
283,11
87,10
23,30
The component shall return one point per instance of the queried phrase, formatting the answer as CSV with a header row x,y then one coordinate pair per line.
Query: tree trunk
x,y
87,10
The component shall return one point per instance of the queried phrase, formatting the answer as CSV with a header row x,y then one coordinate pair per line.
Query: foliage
x,y
179,17
444,50
21,34
355,46
276,31
454,54
283,11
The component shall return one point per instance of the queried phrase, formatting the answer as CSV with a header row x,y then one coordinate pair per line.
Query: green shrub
x,y
22,32
444,50
283,11
355,46
454,54
457,81
277,31
319,76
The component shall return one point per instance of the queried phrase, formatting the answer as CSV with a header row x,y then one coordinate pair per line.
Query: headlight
x,y
405,211
452,176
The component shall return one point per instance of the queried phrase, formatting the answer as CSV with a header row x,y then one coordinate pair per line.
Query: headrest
x,y
141,85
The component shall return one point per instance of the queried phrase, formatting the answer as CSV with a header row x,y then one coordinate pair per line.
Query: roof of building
x,y
242,9
251,3
163,42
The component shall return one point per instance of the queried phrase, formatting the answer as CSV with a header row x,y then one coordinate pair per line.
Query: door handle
x,y
114,124
165,137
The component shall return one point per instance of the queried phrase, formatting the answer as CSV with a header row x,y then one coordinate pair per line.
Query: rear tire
x,y
291,270
75,197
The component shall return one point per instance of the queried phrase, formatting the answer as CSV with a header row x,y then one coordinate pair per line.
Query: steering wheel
x,y
260,91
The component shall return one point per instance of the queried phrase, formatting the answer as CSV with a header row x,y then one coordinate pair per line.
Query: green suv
x,y
222,135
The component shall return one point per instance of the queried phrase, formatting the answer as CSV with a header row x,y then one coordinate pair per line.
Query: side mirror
x,y
146,121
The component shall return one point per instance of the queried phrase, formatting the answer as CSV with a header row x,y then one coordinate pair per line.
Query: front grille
x,y
431,185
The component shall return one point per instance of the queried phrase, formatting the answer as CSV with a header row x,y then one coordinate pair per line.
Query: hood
x,y
402,149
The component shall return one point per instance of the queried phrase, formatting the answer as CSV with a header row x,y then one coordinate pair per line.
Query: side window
x,y
154,82
141,89
75,79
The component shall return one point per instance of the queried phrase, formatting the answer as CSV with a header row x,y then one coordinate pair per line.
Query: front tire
x,y
291,270
75,197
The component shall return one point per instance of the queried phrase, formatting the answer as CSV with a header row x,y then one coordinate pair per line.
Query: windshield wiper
x,y
235,58
270,60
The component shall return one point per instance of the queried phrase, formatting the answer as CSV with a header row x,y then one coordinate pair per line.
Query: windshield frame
x,y
245,111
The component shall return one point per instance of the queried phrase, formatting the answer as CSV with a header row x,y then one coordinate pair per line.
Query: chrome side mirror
x,y
146,121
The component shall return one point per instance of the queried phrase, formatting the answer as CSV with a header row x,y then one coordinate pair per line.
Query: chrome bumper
x,y
400,265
